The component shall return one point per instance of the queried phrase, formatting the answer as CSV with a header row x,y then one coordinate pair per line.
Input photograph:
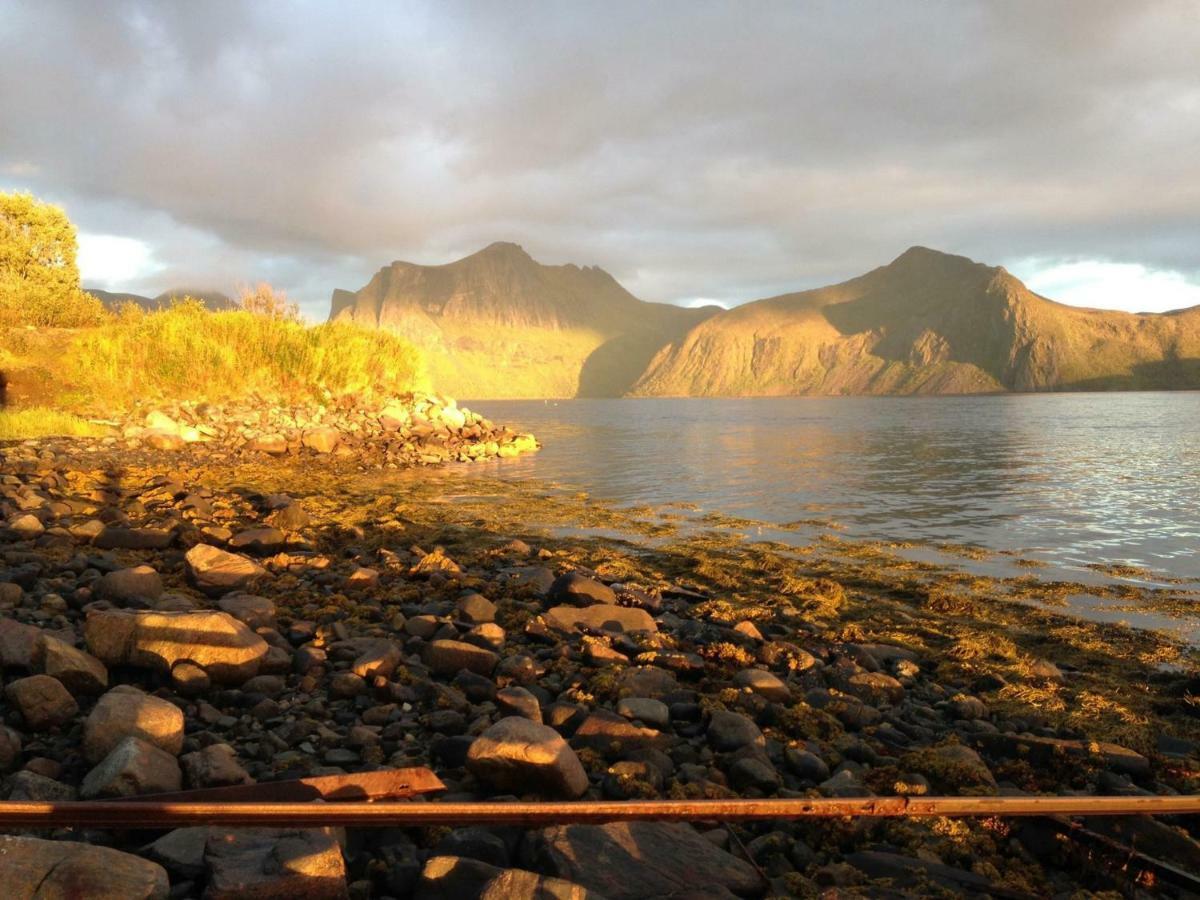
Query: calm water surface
x,y
1070,479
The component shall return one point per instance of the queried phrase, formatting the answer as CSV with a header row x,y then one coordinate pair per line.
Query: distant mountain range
x,y
498,324
214,300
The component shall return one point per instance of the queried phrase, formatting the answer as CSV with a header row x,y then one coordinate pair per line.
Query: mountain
x,y
214,300
500,324
927,323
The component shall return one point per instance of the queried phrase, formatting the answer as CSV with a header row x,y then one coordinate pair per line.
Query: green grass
x,y
189,353
39,421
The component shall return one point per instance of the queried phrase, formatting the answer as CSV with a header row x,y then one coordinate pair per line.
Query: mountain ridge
x,y
497,324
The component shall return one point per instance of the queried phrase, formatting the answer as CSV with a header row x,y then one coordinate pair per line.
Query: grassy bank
x,y
39,421
189,353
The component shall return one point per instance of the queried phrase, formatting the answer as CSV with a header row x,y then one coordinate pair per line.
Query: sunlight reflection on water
x,y
1067,478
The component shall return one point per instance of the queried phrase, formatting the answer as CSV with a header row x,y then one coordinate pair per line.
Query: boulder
x,y
137,585
133,767
274,444
10,748
36,868
19,645
322,440
80,672
522,756
125,712
42,701
224,647
215,570
601,617
180,851
615,735
122,537
450,657
641,860
1041,751
261,541
446,876
275,864
577,590
728,731
214,766
257,612
763,683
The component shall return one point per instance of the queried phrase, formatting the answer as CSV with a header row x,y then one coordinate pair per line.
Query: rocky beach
x,y
216,596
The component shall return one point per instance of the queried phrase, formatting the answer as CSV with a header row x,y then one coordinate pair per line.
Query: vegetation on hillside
x,y
62,355
187,352
39,278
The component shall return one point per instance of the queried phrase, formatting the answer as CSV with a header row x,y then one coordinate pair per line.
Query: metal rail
x,y
150,814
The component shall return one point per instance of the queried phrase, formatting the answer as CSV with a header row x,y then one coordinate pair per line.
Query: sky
x,y
697,151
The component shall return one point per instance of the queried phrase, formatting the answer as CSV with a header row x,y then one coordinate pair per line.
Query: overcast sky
x,y
726,151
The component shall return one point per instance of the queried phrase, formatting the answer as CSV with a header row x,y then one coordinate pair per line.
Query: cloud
x,y
692,149
1107,285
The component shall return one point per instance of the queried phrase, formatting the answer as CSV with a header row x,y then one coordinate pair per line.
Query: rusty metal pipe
x,y
146,814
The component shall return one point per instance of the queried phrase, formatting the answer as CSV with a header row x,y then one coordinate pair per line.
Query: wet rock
x,y
35,868
275,864
180,852
448,657
729,731
139,585
763,683
474,843
80,673
321,440
214,766
10,748
120,537
378,659
19,644
217,571
133,767
753,773
601,617
224,647
26,785
1049,751
646,710
26,526
42,701
640,860
256,612
805,764
576,590
522,756
260,541
517,701
615,735
475,609
127,712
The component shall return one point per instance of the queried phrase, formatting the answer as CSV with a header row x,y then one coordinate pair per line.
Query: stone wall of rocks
x,y
415,429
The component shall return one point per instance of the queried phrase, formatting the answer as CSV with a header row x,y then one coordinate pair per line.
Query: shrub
x,y
186,352
39,278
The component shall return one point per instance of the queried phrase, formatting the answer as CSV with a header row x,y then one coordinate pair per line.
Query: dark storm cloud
x,y
693,149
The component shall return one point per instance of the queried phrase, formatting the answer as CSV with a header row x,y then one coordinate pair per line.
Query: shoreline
x,y
881,675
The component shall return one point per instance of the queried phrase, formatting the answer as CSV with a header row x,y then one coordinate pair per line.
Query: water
x,y
1069,479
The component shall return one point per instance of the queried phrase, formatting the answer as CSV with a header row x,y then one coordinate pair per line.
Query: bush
x,y
39,278
189,353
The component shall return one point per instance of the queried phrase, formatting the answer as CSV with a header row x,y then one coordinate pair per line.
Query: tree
x,y
264,300
39,278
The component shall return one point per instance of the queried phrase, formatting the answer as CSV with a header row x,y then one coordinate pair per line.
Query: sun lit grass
x,y
39,421
188,352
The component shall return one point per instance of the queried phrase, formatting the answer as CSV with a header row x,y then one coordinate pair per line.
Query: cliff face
x,y
926,323
499,324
